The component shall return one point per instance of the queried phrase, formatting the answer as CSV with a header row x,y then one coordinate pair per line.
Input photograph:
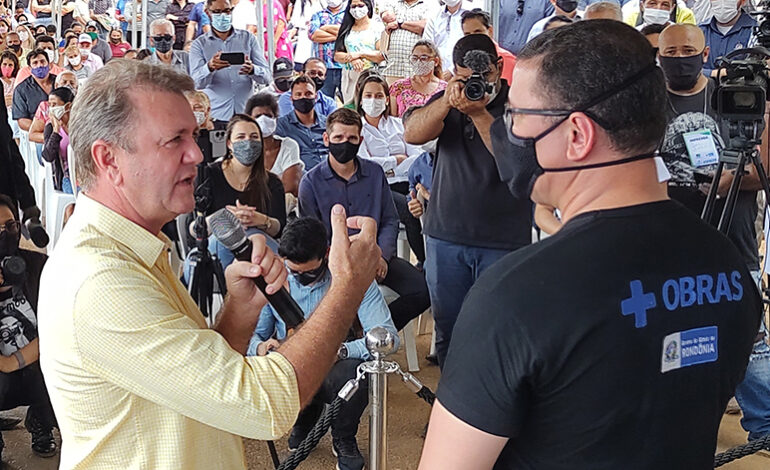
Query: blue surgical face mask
x,y
222,22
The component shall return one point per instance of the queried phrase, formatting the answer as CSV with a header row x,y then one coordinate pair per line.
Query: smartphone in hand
x,y
233,58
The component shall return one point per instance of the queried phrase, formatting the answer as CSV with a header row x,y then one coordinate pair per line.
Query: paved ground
x,y
407,417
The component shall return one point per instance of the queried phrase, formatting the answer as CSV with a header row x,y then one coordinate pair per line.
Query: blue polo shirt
x,y
323,105
366,194
722,44
312,150
514,27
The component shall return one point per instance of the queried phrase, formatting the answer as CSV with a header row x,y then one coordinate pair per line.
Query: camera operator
x,y
21,382
690,115
14,181
472,220
631,359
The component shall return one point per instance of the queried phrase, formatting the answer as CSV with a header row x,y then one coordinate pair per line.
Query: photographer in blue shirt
x,y
305,248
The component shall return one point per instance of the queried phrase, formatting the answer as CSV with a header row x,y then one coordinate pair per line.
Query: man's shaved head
x,y
681,40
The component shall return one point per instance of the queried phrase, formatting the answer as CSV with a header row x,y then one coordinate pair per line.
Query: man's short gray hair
x,y
104,108
161,22
610,8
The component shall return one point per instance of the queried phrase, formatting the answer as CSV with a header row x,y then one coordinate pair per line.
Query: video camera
x,y
477,86
741,95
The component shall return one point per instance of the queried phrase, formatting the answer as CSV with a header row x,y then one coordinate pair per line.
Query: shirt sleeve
x,y
486,381
264,330
372,312
199,68
429,31
315,25
288,156
163,356
308,207
261,74
19,109
388,231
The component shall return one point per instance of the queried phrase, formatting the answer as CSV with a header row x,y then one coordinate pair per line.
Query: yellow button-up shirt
x,y
136,378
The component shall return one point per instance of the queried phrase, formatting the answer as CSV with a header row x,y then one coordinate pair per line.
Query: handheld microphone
x,y
229,231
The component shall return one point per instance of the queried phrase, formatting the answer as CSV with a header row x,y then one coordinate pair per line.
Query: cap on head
x,y
85,38
473,42
283,68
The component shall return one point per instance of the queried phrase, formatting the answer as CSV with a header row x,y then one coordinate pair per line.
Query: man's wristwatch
x,y
342,352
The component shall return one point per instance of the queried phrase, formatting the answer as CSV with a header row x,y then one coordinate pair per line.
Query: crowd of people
x,y
364,107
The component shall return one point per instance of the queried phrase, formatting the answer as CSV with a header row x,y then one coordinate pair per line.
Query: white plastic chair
x,y
55,206
407,334
71,164
33,168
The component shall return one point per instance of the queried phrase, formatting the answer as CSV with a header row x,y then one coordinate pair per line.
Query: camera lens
x,y
475,89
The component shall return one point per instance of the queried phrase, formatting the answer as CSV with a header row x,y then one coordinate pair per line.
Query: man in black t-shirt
x,y
682,48
617,342
472,220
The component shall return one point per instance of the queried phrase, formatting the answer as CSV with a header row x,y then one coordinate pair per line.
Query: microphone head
x,y
226,227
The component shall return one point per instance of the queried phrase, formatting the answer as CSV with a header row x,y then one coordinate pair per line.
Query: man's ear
x,y
582,137
103,154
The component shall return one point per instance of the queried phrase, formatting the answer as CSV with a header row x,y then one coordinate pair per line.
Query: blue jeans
x,y
66,185
224,255
753,394
332,83
450,270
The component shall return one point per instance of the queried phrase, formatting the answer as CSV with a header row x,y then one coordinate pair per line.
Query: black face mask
x,y
309,277
567,6
319,82
15,47
9,243
282,84
682,73
343,152
516,156
163,45
303,105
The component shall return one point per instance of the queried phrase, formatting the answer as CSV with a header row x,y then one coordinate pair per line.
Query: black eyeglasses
x,y
509,112
12,226
520,8
165,37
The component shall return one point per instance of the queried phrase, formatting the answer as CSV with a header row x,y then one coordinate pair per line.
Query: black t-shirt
x,y
222,194
615,343
686,114
469,203
18,306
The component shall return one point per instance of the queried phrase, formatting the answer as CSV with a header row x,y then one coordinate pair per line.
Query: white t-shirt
x,y
301,20
288,156
244,14
381,143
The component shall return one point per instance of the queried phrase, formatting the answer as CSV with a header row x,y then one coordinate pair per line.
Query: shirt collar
x,y
744,21
328,173
292,116
146,246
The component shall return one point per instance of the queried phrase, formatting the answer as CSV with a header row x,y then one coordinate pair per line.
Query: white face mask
x,y
85,52
74,61
359,12
334,3
452,3
23,35
57,111
374,107
267,125
724,10
422,68
52,56
200,117
655,16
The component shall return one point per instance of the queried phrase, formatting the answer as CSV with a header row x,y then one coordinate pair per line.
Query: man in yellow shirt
x,y
136,378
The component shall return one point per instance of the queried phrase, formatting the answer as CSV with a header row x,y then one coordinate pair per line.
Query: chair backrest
x,y
71,164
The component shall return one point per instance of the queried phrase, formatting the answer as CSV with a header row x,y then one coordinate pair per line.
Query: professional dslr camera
x,y
13,269
477,86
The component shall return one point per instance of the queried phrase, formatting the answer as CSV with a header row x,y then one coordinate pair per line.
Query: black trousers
x,y
411,223
346,424
409,283
26,387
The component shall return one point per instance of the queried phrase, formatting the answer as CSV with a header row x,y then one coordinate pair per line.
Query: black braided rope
x,y
741,451
314,437
426,394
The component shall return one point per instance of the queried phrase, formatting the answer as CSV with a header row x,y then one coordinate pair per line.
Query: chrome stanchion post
x,y
380,342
